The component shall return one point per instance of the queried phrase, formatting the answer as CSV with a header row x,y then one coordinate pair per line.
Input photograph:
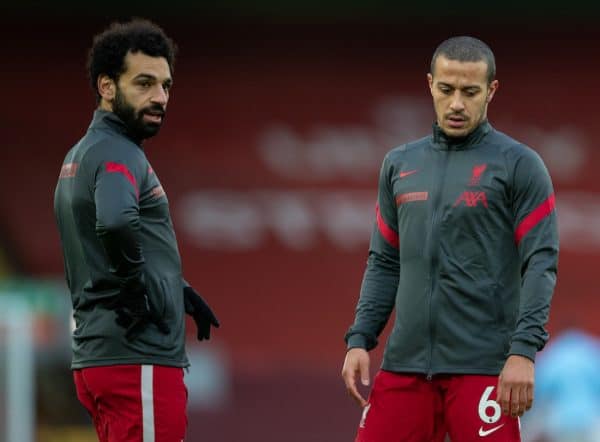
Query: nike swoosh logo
x,y
407,173
484,433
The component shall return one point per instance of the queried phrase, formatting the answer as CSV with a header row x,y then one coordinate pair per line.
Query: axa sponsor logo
x,y
471,199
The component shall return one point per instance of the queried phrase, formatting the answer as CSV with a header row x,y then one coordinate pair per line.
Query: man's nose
x,y
160,96
457,104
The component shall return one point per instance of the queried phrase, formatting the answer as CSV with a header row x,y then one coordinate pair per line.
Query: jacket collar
x,y
444,142
104,119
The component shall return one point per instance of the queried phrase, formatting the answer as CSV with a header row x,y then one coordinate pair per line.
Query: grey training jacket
x,y
465,248
114,223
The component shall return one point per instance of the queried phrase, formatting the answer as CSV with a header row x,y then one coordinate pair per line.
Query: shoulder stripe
x,y
112,167
387,232
532,220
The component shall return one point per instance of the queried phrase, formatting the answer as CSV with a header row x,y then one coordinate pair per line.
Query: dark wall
x,y
332,11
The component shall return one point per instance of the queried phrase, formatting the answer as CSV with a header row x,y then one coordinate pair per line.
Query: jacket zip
x,y
434,251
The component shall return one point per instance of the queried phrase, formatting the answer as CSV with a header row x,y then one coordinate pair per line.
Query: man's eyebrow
x,y
143,76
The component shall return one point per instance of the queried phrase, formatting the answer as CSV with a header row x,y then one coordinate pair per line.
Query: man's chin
x,y
457,132
148,130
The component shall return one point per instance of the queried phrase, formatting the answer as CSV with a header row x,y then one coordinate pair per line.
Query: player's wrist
x,y
356,341
524,349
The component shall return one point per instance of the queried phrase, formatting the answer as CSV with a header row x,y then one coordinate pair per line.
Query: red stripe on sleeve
x,y
531,220
388,234
121,168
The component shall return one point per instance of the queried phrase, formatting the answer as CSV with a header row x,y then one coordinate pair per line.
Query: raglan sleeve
x,y
536,237
380,280
118,177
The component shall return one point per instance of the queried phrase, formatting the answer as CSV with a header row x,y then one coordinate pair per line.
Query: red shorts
x,y
134,403
410,408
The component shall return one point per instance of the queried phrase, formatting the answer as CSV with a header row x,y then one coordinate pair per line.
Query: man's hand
x,y
134,311
515,386
198,309
357,362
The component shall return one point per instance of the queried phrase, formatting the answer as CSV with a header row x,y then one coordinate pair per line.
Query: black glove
x,y
134,311
198,309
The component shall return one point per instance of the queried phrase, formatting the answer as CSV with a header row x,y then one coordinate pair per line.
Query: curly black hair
x,y
107,54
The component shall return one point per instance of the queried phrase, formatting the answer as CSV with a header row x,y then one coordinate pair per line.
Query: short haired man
x,y
465,248
122,263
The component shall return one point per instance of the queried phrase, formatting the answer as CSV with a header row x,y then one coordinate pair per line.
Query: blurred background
x,y
279,119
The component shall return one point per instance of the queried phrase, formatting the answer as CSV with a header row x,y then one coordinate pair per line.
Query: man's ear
x,y
107,88
492,90
430,82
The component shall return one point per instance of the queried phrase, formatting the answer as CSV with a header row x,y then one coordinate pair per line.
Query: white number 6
x,y
484,403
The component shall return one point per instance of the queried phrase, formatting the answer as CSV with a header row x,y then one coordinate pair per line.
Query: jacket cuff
x,y
356,341
521,348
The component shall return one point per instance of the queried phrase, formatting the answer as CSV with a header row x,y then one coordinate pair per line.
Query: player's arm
x,y
536,237
119,173
380,280
378,289
116,195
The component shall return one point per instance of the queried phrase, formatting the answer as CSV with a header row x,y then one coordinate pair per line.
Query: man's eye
x,y
145,84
